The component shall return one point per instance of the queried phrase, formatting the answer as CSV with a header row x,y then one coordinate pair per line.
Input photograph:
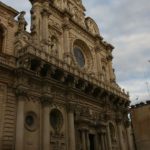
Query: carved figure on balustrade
x,y
22,22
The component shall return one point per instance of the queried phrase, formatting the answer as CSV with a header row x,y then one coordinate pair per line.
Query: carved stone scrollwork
x,y
67,57
66,24
118,117
92,26
104,117
46,99
71,107
80,84
58,141
70,80
89,89
46,12
21,91
25,63
51,70
96,92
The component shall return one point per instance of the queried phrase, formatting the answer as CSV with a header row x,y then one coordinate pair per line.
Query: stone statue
x,y
91,27
22,22
54,47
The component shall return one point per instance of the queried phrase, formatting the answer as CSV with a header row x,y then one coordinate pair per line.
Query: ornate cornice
x,y
53,68
46,99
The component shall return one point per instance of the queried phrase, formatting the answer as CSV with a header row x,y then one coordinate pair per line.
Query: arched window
x,y
82,55
79,56
1,38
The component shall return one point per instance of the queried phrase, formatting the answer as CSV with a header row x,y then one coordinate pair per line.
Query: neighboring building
x,y
140,116
57,85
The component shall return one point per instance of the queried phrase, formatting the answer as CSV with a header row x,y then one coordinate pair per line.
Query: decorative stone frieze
x,y
46,99
58,141
21,91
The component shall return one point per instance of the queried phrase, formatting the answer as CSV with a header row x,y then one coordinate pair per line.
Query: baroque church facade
x,y
58,88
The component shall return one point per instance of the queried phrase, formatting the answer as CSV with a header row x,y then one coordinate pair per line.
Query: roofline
x,y
10,9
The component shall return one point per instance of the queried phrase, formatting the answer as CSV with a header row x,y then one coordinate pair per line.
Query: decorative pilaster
x,y
109,138
87,141
46,100
83,140
36,24
120,137
98,58
106,142
71,128
45,17
119,128
66,28
102,141
21,94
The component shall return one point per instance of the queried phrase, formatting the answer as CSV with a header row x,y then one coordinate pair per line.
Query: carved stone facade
x,y
58,89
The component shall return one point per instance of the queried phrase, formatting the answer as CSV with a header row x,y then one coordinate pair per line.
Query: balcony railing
x,y
31,50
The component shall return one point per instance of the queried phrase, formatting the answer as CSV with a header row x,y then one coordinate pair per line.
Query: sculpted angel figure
x,y
22,22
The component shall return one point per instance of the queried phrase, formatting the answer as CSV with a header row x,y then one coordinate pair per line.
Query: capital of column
x,y
46,100
84,129
109,57
71,107
101,131
21,91
66,25
45,12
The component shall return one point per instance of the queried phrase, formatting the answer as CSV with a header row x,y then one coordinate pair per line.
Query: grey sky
x,y
125,24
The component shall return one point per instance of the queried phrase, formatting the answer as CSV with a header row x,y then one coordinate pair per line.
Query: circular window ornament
x,y
31,121
56,119
79,56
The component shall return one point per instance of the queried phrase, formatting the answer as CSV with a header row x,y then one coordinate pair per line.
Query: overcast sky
x,y
126,25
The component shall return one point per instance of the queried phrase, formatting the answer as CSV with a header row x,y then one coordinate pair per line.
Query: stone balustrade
x,y
50,59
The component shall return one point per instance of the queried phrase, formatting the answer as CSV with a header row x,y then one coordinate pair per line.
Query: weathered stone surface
x,y
63,64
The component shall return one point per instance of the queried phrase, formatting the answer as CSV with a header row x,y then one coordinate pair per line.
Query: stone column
x,y
71,128
96,142
83,140
20,93
109,138
98,61
87,141
45,31
119,126
46,101
66,28
102,141
106,142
